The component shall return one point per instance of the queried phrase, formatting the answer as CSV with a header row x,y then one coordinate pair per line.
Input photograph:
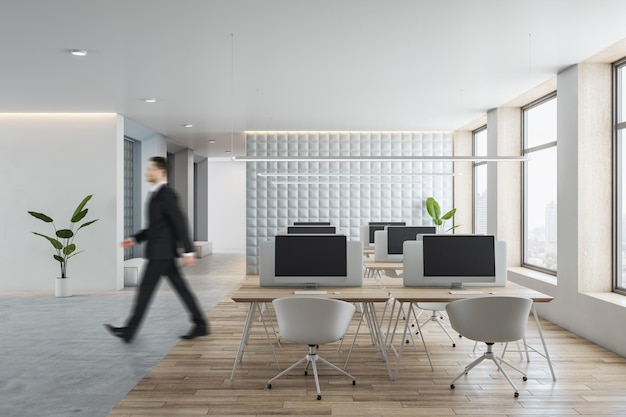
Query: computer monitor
x,y
292,256
397,235
374,226
299,260
311,223
454,261
311,230
386,251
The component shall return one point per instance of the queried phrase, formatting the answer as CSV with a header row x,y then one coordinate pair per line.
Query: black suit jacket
x,y
167,227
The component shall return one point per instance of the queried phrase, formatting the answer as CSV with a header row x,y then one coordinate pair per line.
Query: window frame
x,y
526,151
475,166
619,136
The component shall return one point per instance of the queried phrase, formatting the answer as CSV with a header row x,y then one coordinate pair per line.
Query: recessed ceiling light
x,y
187,125
212,141
78,52
149,100
227,151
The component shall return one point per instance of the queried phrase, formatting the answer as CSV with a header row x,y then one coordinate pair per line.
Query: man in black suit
x,y
166,229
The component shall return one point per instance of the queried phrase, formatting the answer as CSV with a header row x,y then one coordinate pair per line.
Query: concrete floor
x,y
57,360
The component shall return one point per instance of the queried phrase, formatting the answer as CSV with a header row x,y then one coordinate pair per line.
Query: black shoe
x,y
198,330
121,332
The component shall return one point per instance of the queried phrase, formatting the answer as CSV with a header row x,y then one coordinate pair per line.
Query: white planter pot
x,y
63,287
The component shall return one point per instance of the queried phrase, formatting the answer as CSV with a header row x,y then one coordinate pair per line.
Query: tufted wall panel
x,y
354,201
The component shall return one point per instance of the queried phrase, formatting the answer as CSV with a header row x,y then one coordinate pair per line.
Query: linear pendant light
x,y
374,174
380,158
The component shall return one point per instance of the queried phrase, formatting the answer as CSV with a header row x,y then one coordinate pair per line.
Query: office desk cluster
x,y
389,291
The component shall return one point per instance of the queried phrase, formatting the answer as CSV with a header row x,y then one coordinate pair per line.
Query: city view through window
x,y
540,188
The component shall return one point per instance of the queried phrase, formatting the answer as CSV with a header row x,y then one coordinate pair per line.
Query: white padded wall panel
x,y
272,207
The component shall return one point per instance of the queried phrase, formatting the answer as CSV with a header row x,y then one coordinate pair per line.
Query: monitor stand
x,y
456,286
310,286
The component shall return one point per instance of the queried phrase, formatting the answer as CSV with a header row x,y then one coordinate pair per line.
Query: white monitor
x,y
311,229
455,261
298,260
388,243
368,230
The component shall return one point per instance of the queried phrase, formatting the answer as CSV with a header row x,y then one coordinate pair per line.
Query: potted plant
x,y
434,211
63,243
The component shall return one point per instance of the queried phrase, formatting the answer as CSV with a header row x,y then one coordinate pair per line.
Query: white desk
x,y
250,292
412,295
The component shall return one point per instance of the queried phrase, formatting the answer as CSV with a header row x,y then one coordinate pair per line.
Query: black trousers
x,y
151,276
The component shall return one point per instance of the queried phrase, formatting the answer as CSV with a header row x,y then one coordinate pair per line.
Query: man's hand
x,y
189,260
127,243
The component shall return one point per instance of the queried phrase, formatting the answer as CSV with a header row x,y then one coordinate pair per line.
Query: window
x,y
539,217
480,182
129,193
620,178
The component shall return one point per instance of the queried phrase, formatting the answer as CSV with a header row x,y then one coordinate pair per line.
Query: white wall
x,y
583,303
48,163
227,205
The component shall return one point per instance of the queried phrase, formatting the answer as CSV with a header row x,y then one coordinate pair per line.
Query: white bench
x,y
202,248
133,268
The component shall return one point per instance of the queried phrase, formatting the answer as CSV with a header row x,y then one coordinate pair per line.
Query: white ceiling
x,y
233,65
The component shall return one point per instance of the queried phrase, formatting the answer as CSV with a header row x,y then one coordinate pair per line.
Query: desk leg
x,y
244,338
543,341
376,334
410,312
269,340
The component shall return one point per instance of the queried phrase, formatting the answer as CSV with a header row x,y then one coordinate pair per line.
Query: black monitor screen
x,y
374,226
396,235
325,230
310,256
311,223
459,256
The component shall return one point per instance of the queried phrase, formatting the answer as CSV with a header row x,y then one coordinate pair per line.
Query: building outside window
x,y
539,184
480,181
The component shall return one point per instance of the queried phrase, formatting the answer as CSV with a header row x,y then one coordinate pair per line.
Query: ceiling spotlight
x,y
78,52
187,125
211,140
227,151
149,100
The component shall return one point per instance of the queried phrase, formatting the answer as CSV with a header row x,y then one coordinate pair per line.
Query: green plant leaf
x,y
449,214
41,216
81,206
433,209
58,258
69,249
65,233
86,224
54,242
438,222
79,216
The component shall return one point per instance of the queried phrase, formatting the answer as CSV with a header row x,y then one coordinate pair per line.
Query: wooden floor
x,y
194,379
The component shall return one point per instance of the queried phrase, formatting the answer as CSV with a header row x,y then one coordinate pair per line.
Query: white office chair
x,y
312,321
490,319
435,317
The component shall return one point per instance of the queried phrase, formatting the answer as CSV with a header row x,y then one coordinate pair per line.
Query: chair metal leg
x,y
311,359
489,354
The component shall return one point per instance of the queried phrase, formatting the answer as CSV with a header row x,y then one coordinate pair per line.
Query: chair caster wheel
x,y
524,378
452,386
306,372
269,386
407,342
453,344
516,394
319,397
353,382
